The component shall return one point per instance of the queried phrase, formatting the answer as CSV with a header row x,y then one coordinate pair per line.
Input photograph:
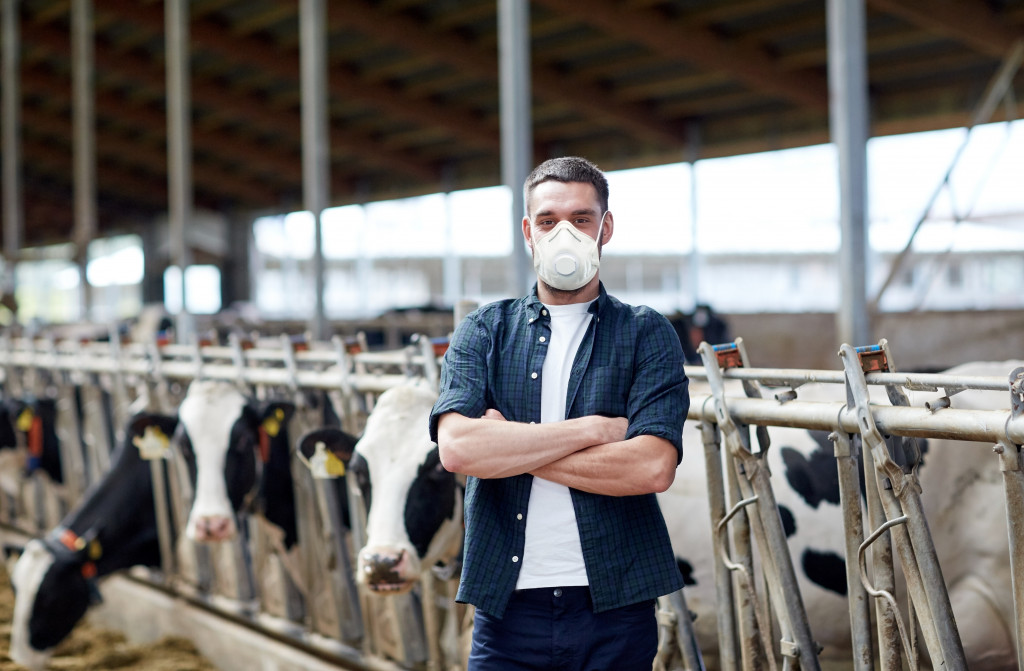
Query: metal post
x,y
883,574
692,153
516,124
848,466
727,641
179,151
848,119
315,147
84,113
14,225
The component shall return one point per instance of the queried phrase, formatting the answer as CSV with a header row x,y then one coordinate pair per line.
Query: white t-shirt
x,y
553,555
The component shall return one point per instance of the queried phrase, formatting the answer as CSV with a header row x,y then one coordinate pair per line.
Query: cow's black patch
x,y
788,521
815,477
686,570
431,500
358,467
826,569
61,601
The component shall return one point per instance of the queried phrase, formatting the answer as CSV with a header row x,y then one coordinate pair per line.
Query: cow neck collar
x,y
64,541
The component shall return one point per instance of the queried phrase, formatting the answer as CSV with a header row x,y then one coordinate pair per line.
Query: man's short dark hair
x,y
567,169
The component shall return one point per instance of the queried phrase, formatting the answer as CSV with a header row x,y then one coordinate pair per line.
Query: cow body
x,y
112,528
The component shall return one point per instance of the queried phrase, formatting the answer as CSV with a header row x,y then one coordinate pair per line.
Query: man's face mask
x,y
567,258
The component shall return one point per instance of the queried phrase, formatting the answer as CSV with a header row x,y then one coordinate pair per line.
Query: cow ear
x,y
165,423
335,441
274,416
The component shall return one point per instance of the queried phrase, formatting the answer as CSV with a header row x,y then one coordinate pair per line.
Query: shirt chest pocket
x,y
606,391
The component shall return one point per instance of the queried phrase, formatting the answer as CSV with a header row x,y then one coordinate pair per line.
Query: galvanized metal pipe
x,y
883,572
84,127
315,140
179,150
951,423
848,467
10,117
728,645
848,123
516,125
1013,484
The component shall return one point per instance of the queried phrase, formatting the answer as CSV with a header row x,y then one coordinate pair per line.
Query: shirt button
x,y
544,312
558,591
533,422
515,559
533,376
543,339
532,319
519,516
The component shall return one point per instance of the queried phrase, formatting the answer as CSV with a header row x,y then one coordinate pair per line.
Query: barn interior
x,y
124,117
181,123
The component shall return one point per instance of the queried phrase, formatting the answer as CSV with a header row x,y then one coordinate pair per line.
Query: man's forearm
x,y
640,465
489,447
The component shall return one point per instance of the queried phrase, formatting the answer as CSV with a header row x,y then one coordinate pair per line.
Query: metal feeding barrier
x,y
313,597
880,437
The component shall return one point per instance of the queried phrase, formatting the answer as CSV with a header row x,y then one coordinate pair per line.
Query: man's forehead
x,y
552,194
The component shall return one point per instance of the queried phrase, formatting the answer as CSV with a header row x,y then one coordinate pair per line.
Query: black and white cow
x,y
238,452
414,506
112,528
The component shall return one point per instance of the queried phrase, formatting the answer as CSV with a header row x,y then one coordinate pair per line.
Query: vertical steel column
x,y
84,122
179,150
315,146
848,119
14,224
516,124
692,153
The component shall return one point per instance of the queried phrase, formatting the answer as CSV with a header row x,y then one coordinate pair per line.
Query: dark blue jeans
x,y
556,629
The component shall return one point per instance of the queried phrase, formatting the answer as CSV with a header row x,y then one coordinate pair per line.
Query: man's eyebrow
x,y
548,213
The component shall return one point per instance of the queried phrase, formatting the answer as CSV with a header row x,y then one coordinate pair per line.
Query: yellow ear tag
x,y
152,444
95,550
335,466
324,465
25,420
272,426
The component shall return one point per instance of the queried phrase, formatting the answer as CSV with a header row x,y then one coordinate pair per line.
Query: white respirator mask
x,y
567,258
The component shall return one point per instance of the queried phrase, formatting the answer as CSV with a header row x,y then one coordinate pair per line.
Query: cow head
x,y
54,578
414,506
224,439
53,589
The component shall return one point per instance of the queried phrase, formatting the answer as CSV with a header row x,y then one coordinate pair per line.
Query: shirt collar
x,y
534,306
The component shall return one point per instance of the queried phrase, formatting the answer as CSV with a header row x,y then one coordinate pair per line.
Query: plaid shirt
x,y
630,364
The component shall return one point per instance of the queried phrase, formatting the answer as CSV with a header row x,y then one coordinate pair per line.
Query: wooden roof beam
x,y
452,48
284,65
970,22
700,46
250,109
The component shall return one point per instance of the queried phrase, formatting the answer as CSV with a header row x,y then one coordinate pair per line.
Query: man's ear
x,y
528,232
608,228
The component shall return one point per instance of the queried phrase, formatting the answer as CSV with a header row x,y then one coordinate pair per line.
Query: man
x,y
565,408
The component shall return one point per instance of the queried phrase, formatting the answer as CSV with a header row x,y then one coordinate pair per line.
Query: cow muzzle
x,y
211,528
388,571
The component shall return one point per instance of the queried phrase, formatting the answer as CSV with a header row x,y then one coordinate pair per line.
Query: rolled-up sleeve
x,y
463,386
659,397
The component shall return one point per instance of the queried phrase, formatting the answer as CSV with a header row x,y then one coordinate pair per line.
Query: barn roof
x,y
414,91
